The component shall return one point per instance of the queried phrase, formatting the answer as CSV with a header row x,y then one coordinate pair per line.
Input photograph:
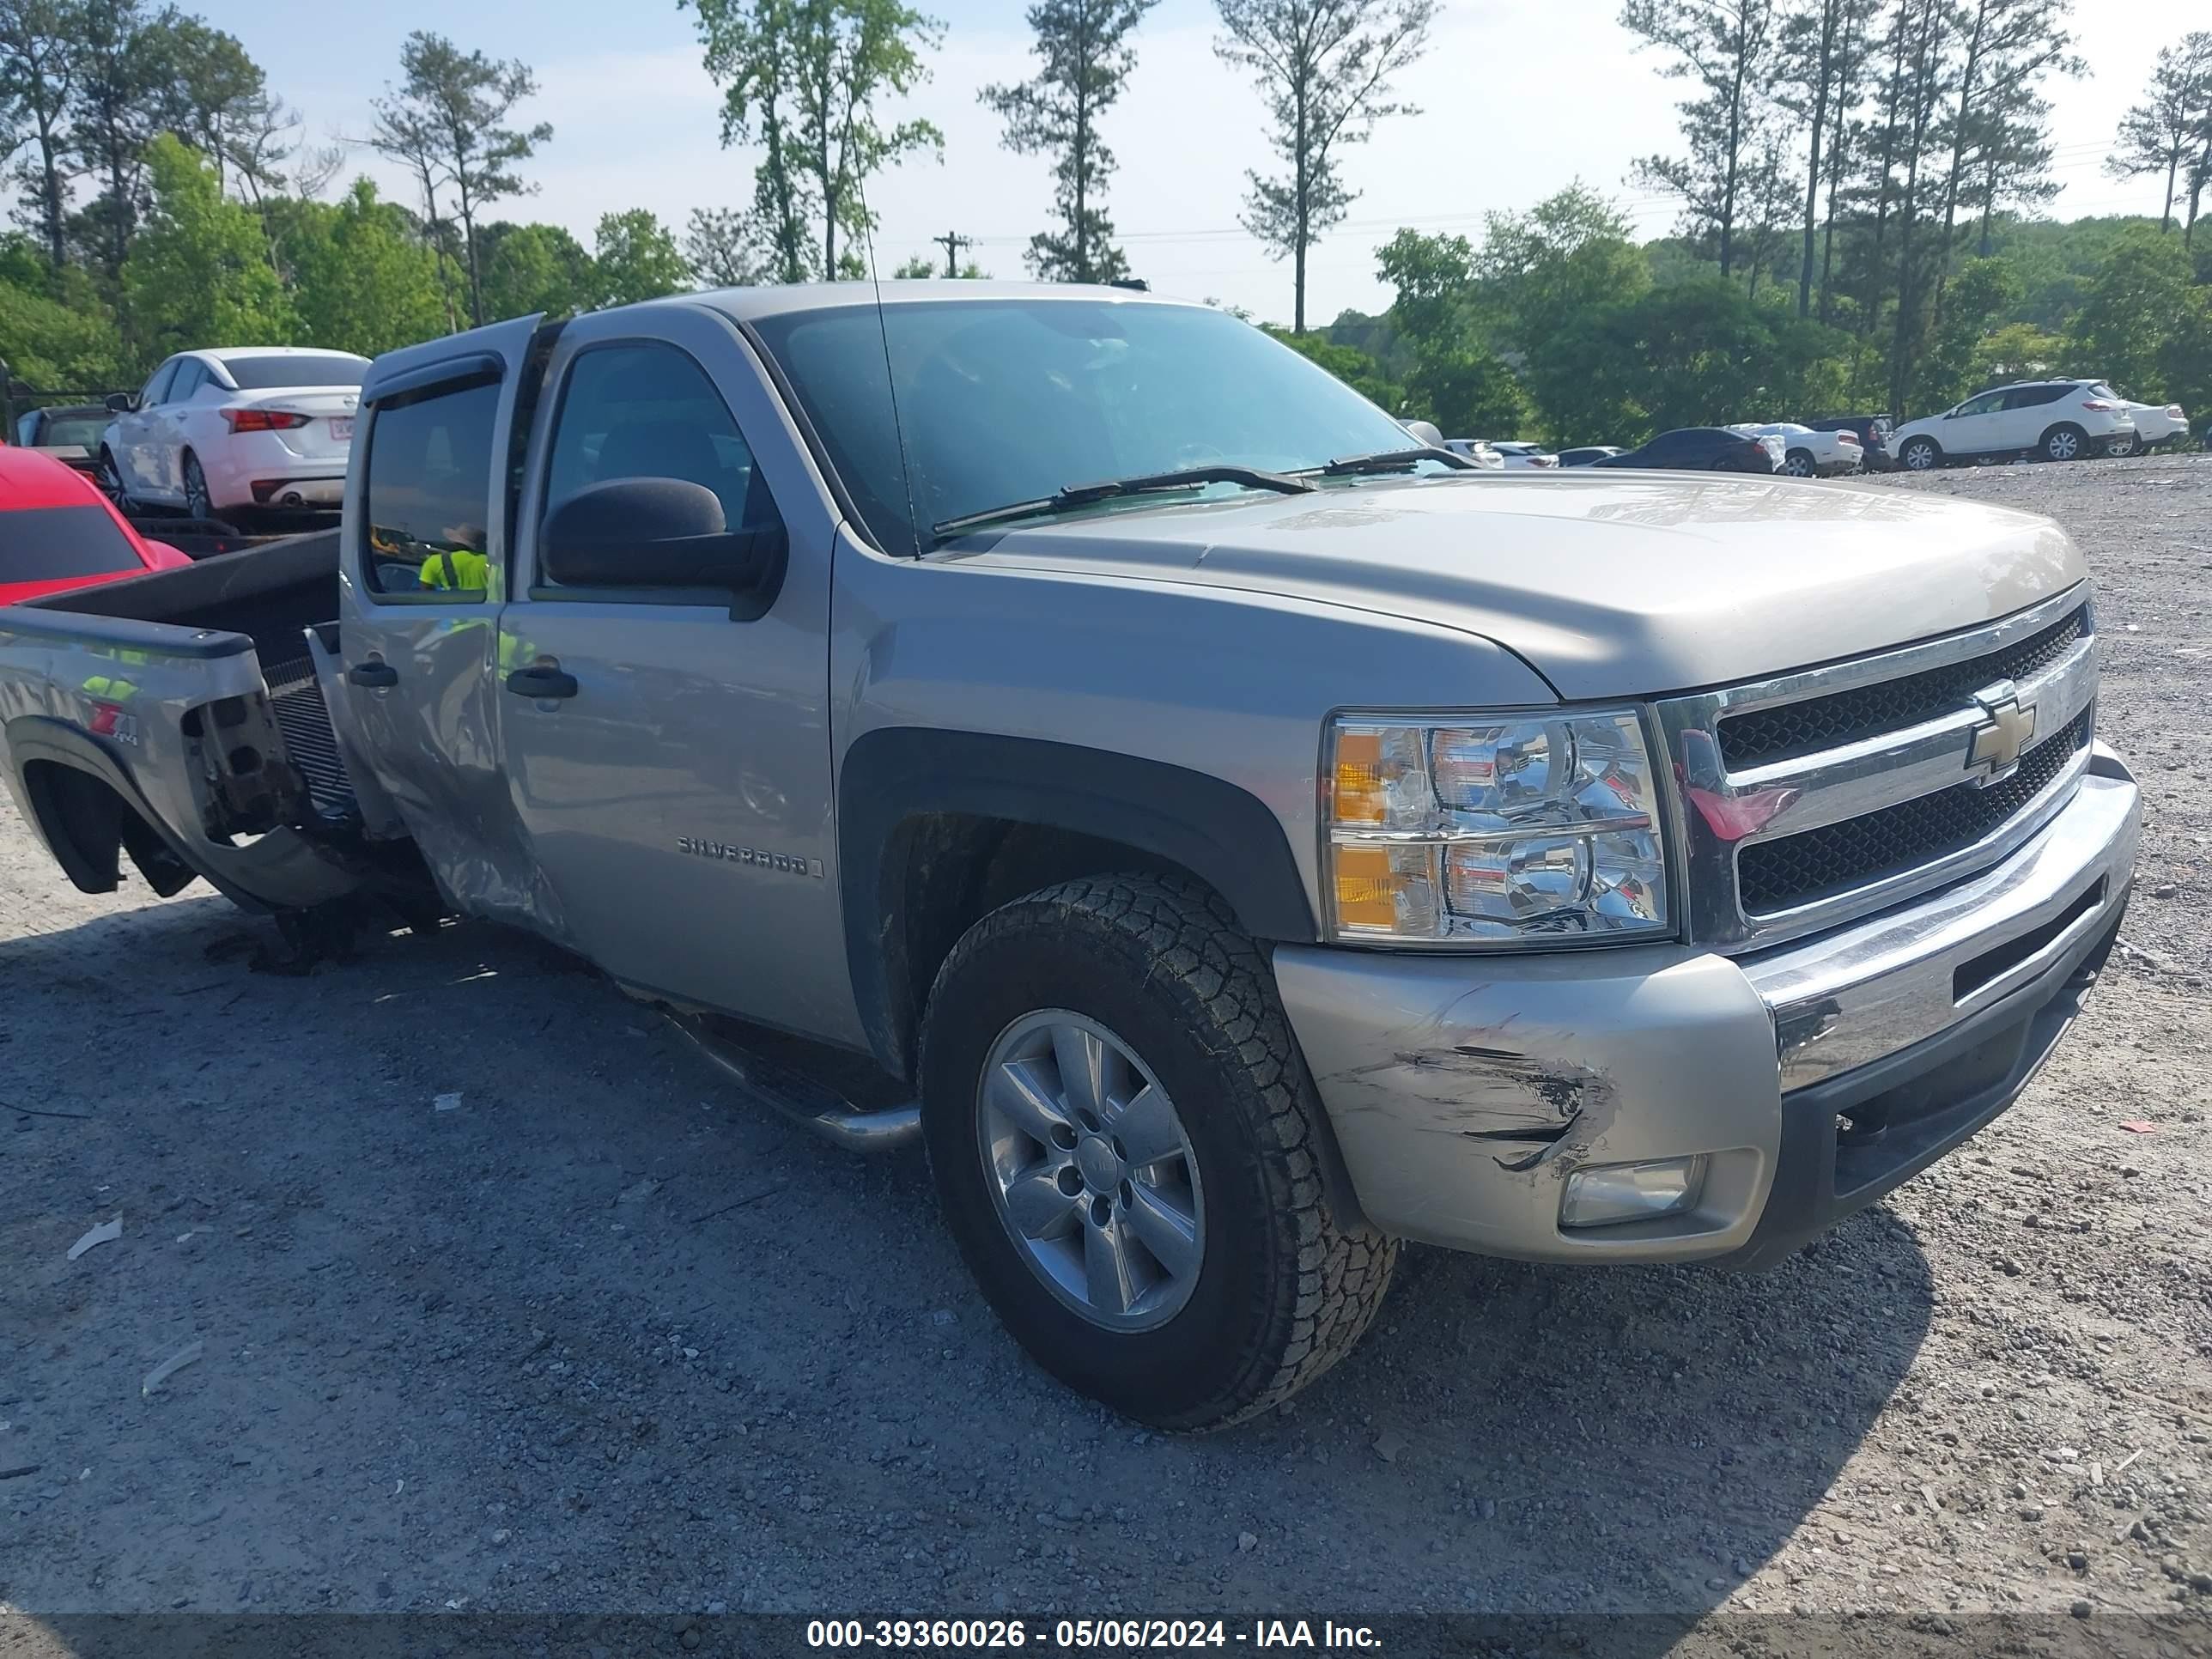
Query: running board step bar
x,y
807,1102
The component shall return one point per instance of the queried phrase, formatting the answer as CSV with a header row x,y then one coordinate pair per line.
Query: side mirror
x,y
120,403
661,533
1426,431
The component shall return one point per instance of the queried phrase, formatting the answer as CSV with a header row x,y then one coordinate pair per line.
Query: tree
x,y
445,122
1323,69
1454,379
41,57
1542,275
1815,78
1726,47
1984,292
2163,132
724,249
1085,58
123,100
198,271
1348,363
918,266
536,268
636,259
56,330
361,280
802,78
2140,293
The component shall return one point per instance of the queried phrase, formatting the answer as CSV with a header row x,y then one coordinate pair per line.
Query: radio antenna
x,y
891,386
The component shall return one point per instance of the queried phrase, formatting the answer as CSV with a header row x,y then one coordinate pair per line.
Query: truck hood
x,y
1609,584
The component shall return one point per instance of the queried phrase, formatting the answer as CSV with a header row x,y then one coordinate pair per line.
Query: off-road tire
x,y
1285,1289
1920,455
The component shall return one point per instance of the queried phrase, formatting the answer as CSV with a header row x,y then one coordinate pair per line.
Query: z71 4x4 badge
x,y
753,856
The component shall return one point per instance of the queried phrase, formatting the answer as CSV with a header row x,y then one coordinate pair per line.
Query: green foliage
x,y
55,332
1323,68
534,268
198,271
1466,392
2132,310
2184,356
1983,292
1350,365
637,258
362,281
1083,59
802,80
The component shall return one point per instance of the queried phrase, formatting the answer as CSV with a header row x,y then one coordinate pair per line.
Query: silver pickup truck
x,y
1233,837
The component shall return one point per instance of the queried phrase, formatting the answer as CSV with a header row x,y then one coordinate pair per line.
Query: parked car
x,y
1700,449
1221,866
2158,426
1584,454
1482,453
2056,420
58,533
69,432
231,430
1875,452
1806,454
1522,458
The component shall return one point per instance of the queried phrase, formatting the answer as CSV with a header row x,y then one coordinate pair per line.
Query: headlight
x,y
1494,830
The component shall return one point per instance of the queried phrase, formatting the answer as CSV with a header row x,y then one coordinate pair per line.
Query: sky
x,y
1516,98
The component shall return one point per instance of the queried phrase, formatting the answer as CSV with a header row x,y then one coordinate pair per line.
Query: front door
x,y
133,430
676,789
1975,426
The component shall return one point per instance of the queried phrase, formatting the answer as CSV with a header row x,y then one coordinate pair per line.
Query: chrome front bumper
x,y
1463,1091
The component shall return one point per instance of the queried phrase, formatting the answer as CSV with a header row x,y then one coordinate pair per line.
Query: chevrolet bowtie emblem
x,y
2004,731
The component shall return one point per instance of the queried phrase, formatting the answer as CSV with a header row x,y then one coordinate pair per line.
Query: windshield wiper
x,y
1188,477
1393,460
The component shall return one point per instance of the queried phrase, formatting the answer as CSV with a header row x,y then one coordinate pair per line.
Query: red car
x,y
57,531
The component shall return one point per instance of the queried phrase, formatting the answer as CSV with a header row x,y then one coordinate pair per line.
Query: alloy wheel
x,y
1090,1169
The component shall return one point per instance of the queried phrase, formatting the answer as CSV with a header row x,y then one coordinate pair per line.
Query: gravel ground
x,y
599,1335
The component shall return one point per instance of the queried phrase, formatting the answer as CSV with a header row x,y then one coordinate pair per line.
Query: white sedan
x,y
2158,425
215,432
1806,453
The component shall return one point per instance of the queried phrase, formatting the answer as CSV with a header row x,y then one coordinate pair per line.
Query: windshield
x,y
85,429
50,544
1009,400
309,368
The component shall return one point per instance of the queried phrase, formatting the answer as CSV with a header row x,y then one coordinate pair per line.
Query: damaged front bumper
x,y
1464,1091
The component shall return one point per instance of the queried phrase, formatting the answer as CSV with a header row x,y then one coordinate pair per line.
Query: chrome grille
x,y
1763,736
1809,800
1795,870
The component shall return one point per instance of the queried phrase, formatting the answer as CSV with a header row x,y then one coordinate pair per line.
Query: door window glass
x,y
158,387
645,410
192,374
427,494
1988,403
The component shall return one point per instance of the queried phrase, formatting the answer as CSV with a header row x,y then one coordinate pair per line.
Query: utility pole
x,y
952,241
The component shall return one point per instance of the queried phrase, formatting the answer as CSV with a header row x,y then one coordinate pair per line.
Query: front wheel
x,y
109,479
2063,443
1920,455
1798,463
1125,1143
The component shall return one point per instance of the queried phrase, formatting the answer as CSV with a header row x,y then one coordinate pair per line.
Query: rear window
x,y
428,492
83,430
53,544
266,373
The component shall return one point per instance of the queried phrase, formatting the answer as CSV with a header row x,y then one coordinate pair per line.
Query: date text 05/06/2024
x,y
1085,1634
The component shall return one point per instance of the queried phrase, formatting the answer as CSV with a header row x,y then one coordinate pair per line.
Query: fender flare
x,y
895,775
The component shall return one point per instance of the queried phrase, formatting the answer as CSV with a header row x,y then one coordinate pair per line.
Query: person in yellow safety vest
x,y
457,569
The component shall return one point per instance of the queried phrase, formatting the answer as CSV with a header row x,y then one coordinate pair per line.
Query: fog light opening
x,y
1617,1193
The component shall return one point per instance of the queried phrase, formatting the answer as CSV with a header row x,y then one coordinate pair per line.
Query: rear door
x,y
2027,412
425,543
678,795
